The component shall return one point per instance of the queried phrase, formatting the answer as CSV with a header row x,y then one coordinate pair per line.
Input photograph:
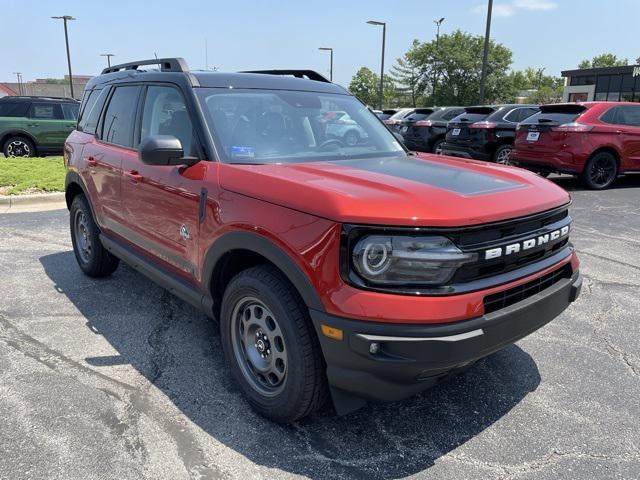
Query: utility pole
x,y
67,18
384,33
329,49
540,71
19,77
108,55
437,55
485,56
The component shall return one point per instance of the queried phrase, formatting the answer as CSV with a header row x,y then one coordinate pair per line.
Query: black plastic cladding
x,y
470,238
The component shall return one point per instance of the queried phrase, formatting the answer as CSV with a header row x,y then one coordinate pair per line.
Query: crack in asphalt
x,y
607,259
136,403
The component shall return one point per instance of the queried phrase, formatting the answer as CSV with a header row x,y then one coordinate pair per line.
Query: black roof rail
x,y
166,65
309,74
41,97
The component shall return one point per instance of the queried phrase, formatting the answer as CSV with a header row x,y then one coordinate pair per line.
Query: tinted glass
x,y
558,117
629,115
414,117
452,114
272,126
46,111
520,114
70,111
118,119
14,109
602,84
400,114
91,112
469,117
165,113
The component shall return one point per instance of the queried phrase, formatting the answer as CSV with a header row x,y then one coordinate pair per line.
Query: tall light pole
x,y
66,18
485,55
384,34
108,55
437,55
329,49
19,77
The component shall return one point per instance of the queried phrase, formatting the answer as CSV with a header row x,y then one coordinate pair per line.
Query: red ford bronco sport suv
x,y
360,272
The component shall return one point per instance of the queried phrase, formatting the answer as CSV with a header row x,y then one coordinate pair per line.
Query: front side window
x,y
165,113
119,118
274,126
70,111
46,111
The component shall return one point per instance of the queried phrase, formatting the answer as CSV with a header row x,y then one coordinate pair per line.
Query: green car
x,y
36,126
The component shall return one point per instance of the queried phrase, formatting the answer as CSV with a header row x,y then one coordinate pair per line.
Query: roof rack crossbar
x,y
166,65
310,74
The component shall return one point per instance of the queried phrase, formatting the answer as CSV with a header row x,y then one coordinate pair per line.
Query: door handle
x,y
33,125
134,176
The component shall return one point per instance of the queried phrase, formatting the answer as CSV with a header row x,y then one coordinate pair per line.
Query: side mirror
x,y
163,150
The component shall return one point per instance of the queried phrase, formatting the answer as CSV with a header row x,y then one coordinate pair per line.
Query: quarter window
x,y
70,111
119,118
14,109
91,112
629,115
165,113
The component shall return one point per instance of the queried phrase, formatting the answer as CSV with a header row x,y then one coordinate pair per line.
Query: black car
x,y
424,130
485,132
393,122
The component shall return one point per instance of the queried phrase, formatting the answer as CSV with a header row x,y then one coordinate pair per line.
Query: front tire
x,y
270,345
94,260
18,147
600,171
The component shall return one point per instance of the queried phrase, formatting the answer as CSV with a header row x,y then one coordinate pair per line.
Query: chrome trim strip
x,y
449,338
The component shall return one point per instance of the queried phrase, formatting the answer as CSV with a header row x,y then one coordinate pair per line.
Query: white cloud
x,y
509,9
535,4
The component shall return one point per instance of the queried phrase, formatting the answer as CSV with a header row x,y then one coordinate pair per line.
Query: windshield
x,y
277,126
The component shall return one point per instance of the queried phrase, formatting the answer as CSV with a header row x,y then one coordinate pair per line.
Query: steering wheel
x,y
330,141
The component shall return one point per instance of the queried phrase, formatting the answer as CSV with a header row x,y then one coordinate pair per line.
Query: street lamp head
x,y
107,55
375,22
64,17
325,48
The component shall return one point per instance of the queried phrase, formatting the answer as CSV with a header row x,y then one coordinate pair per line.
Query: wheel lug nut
x,y
268,352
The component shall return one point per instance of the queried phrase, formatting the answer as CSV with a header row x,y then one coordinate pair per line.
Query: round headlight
x,y
373,255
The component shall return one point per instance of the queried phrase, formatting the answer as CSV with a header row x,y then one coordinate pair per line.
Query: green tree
x,y
548,88
406,74
365,85
458,65
604,60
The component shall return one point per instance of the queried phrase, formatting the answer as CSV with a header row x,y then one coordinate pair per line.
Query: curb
x,y
37,198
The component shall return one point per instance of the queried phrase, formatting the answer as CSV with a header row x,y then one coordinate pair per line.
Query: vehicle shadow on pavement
x,y
178,350
573,184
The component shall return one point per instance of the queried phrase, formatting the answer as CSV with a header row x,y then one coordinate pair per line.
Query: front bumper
x,y
411,358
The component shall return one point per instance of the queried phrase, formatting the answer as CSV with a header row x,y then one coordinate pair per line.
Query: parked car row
x,y
596,141
31,126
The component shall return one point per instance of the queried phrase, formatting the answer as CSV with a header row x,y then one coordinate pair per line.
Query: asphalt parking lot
x,y
117,379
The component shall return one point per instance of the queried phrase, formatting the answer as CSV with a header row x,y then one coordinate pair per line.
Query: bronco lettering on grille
x,y
528,244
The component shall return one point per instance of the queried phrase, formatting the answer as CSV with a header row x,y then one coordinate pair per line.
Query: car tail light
x,y
390,122
483,124
423,123
572,127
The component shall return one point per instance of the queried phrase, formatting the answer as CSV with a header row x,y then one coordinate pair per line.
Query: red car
x,y
598,141
363,272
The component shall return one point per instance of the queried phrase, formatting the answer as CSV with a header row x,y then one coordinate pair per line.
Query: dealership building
x,y
611,83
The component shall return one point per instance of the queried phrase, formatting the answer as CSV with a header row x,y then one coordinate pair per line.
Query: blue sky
x,y
253,34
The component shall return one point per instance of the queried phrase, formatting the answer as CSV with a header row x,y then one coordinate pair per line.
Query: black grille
x,y
513,295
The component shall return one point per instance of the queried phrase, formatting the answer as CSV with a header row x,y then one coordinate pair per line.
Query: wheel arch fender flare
x,y
243,240
6,135
73,179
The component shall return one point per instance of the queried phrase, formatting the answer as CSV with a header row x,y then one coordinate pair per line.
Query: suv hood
x,y
420,190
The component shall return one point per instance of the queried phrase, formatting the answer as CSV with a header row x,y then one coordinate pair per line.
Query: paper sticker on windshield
x,y
243,152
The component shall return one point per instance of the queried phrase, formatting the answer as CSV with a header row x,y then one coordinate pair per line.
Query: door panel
x,y
47,124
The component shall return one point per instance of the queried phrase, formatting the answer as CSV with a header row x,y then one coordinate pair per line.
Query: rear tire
x,y
94,260
600,171
270,345
18,147
503,155
437,146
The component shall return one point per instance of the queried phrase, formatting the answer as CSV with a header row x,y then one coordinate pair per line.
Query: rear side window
x,y
470,117
452,114
519,114
46,111
117,124
420,114
626,115
14,109
70,111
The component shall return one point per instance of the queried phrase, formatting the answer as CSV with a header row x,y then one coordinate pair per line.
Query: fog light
x,y
374,348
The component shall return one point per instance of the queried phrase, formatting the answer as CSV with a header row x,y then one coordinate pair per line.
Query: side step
x,y
174,285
